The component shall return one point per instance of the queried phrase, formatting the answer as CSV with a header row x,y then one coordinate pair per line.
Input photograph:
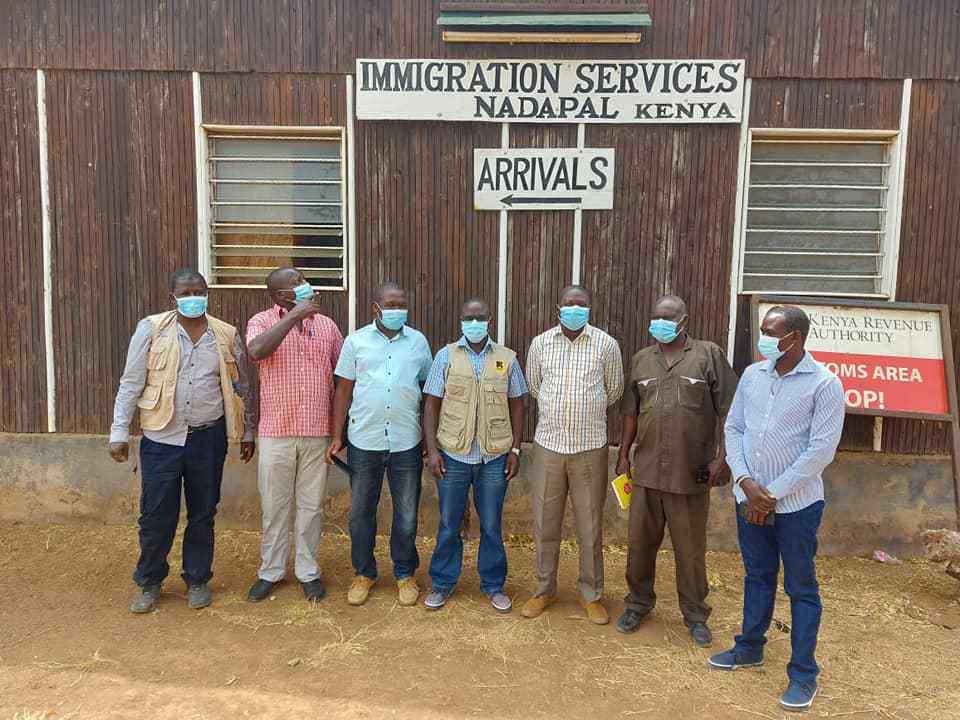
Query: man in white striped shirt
x,y
575,372
782,431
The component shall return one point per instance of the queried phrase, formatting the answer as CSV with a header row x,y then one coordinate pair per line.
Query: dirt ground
x,y
70,649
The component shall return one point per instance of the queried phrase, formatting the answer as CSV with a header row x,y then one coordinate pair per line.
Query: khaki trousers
x,y
291,468
584,477
686,515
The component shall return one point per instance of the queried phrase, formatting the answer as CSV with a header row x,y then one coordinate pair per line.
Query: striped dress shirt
x,y
782,431
574,383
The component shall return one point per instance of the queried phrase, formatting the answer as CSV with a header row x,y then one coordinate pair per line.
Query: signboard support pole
x,y
955,456
877,434
502,256
578,216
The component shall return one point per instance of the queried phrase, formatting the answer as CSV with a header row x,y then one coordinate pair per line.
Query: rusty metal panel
x,y
123,217
778,38
416,224
929,244
23,397
829,104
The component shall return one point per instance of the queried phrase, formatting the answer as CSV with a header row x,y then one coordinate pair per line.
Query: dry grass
x,y
881,654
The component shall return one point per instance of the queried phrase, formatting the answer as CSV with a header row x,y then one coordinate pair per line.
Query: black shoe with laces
x,y
260,590
314,590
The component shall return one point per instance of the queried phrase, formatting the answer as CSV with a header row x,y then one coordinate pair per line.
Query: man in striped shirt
x,y
782,431
575,372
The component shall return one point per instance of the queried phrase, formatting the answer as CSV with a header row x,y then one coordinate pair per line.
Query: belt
x,y
205,426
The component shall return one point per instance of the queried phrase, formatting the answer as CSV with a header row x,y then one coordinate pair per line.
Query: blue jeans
x,y
198,468
489,488
793,537
403,475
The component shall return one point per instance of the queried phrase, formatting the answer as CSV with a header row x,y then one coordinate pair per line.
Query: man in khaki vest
x,y
472,427
187,373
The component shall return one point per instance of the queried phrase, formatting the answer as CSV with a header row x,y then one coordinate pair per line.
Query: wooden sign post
x,y
894,359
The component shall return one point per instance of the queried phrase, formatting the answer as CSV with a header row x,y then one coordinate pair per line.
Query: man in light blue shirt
x,y
379,375
781,432
472,429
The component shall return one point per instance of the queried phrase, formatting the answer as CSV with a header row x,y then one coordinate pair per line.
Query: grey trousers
x,y
291,469
582,476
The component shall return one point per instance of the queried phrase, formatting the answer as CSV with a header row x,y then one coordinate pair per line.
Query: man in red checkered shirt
x,y
296,348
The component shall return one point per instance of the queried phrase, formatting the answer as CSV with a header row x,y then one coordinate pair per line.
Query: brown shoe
x,y
596,612
360,590
408,591
535,606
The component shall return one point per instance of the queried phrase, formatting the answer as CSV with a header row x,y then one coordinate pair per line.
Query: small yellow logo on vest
x,y
501,367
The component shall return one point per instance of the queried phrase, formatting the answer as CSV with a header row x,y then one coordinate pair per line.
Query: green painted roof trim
x,y
507,19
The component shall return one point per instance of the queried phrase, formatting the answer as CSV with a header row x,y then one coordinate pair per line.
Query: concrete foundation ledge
x,y
873,500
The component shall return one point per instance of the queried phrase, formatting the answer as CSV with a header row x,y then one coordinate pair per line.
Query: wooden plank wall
x,y
778,38
930,235
540,248
23,387
261,99
123,217
669,232
416,224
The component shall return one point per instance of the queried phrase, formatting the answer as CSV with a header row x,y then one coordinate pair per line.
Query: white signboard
x,y
543,179
551,91
888,359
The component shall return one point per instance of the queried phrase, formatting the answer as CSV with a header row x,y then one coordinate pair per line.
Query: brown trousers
x,y
584,477
686,515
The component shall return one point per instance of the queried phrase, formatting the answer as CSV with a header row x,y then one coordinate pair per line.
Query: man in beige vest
x,y
187,373
472,427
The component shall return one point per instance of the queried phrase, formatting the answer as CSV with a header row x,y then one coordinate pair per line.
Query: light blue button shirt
x,y
437,383
388,372
782,431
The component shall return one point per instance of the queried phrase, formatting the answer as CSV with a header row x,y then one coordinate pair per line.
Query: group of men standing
x,y
380,395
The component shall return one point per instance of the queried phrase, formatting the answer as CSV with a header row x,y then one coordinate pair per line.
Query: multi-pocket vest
x,y
163,364
474,408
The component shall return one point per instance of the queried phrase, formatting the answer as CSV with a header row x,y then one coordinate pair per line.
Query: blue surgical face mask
x,y
769,347
664,331
192,306
474,330
393,318
303,292
574,317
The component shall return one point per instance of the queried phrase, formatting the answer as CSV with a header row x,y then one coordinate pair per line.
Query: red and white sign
x,y
887,359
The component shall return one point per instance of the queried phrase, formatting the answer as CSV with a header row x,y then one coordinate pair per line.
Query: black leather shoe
x,y
630,621
701,634
314,590
260,590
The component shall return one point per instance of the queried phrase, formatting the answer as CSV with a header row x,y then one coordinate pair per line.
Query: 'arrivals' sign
x,y
548,179
890,360
550,91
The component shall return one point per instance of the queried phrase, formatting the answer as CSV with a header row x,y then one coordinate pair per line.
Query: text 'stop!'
x,y
551,91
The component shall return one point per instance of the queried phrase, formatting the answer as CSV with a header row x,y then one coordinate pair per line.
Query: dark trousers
x,y
489,489
792,538
651,511
198,468
403,476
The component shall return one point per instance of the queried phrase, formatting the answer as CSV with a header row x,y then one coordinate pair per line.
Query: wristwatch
x,y
515,451
736,483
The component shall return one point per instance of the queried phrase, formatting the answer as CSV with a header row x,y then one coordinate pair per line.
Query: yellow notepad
x,y
622,486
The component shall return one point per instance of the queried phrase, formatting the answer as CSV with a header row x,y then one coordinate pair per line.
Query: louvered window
x,y
276,199
818,215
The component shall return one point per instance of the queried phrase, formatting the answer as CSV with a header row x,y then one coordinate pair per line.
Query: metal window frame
x,y
891,193
207,133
